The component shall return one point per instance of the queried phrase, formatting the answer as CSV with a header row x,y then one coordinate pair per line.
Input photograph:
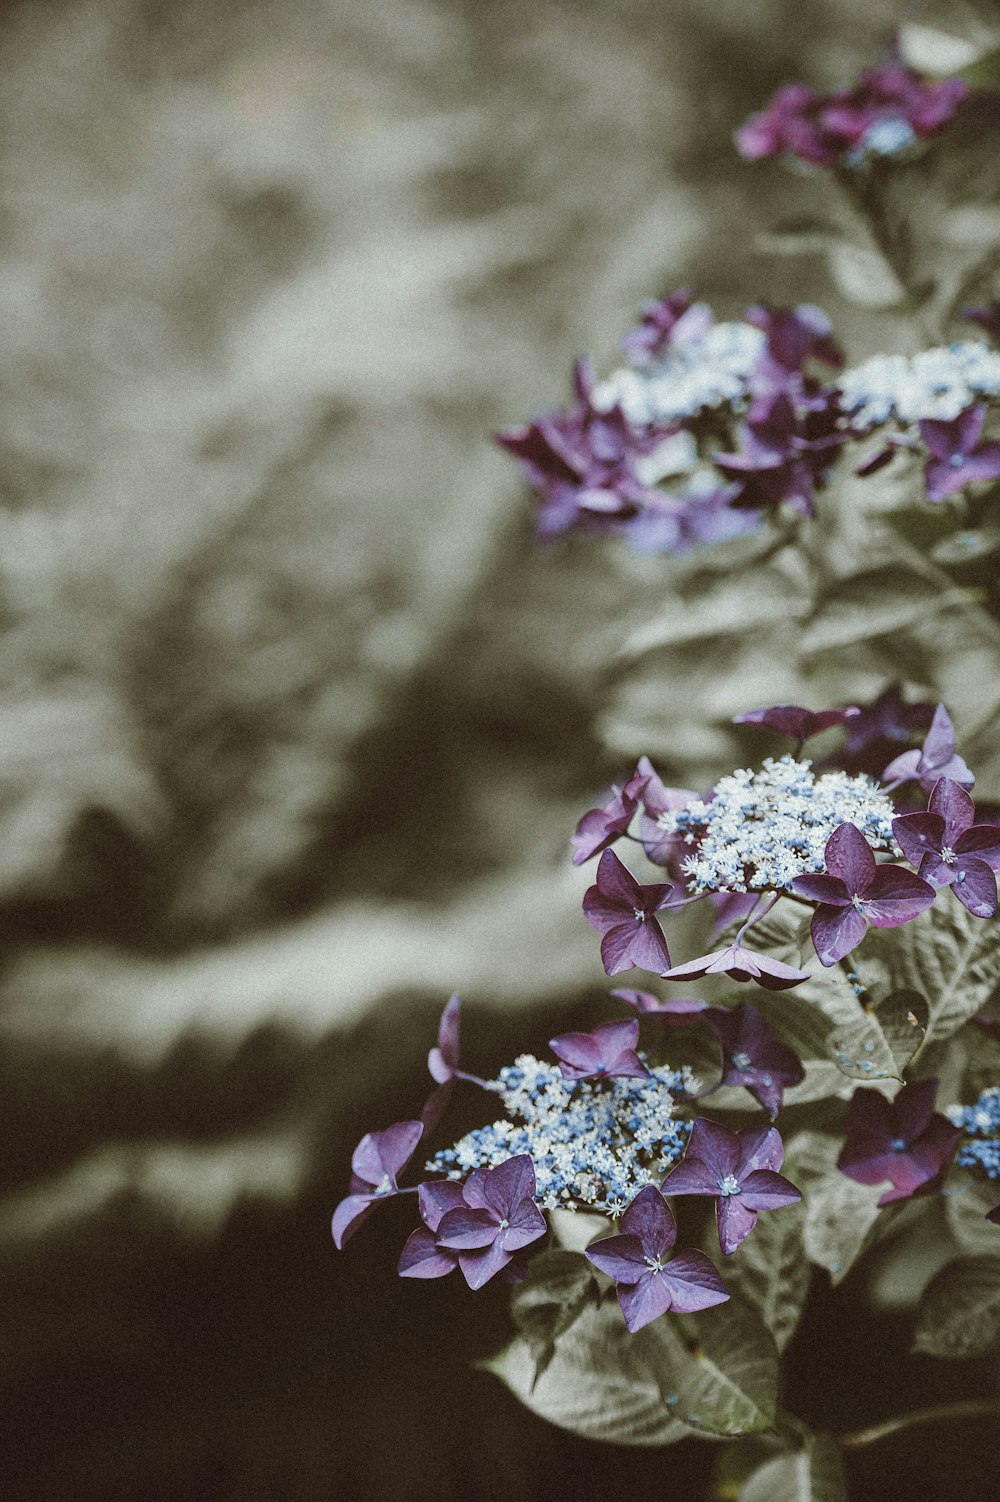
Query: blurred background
x,y
295,720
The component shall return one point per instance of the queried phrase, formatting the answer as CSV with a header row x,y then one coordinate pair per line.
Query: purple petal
x,y
349,1215
436,1104
435,1200
620,1257
691,1176
715,1146
829,890
644,1301
735,1222
764,1190
871,1128
835,932
675,1011
955,807
648,1217
936,1146
939,745
381,1155
442,1061
479,1267
849,856
918,835
527,1224
913,1108
472,1190
616,884
994,1216
982,841
465,1229
902,768
975,886
694,1282
509,1184
895,896
616,948
421,1257
759,1148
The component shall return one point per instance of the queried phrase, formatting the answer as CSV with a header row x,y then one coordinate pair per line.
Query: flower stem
x,y
971,1408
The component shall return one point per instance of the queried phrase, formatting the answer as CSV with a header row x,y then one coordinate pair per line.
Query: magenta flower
x,y
937,758
950,850
753,1057
600,827
421,1257
622,911
855,891
878,728
649,1281
676,1011
903,1140
499,1216
739,1169
794,335
607,1051
671,320
659,801
376,1164
776,460
742,965
442,1061
987,317
957,455
787,126
798,724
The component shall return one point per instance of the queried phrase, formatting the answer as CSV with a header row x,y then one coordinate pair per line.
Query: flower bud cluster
x,y
981,1125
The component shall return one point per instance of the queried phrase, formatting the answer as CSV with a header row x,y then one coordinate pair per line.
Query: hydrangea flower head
x,y
376,1164
950,849
739,1170
980,1126
593,1143
649,1281
760,830
855,891
903,1140
607,1051
938,383
623,913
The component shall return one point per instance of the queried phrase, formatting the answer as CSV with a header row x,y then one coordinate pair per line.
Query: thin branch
x,y
942,1413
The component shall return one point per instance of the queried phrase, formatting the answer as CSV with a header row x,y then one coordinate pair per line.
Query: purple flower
x,y
672,320
658,801
987,317
855,891
421,1257
649,1281
498,1217
903,1140
781,456
442,1061
582,464
936,758
600,827
753,1057
787,125
950,850
799,724
739,1169
378,1160
877,728
794,335
622,911
609,1050
740,964
957,456
676,1011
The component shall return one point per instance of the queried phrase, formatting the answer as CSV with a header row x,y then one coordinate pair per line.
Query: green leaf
x,y
771,1271
877,602
706,605
864,276
554,1293
882,1038
947,955
813,1474
600,1382
960,1310
840,1215
966,1208
718,1370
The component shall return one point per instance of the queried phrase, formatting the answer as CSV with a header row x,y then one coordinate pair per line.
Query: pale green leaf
x,y
719,1369
959,1313
813,1474
881,1039
554,1293
840,1215
966,1208
772,1272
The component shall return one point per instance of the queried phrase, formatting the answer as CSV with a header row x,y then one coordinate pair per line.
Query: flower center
x,y
505,1224
898,1144
729,1185
640,916
741,1060
947,855
385,1187
856,900
956,461
655,1265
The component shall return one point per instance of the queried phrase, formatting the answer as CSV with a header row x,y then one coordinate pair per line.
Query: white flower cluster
x,y
936,383
594,1143
763,828
706,370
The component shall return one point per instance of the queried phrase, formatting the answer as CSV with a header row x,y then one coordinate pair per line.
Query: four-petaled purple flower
x,y
957,454
903,1140
421,1257
950,849
742,965
937,758
798,724
600,827
499,1216
875,731
794,335
376,1164
739,1169
753,1057
658,802
670,320
622,911
778,460
854,891
649,1280
602,1054
675,1011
